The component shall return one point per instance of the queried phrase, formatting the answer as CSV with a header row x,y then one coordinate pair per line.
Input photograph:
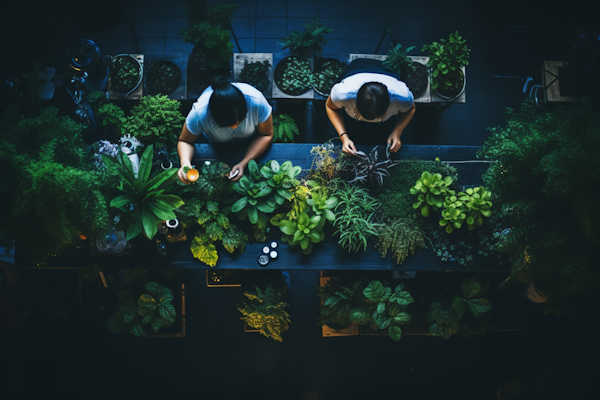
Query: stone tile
x,y
247,46
174,26
148,27
244,28
268,46
270,28
305,8
176,46
271,8
363,28
147,8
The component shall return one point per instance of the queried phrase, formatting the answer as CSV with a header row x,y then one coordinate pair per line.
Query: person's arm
x,y
402,120
337,120
257,147
186,151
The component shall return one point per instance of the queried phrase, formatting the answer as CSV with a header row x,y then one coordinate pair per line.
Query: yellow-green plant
x,y
265,311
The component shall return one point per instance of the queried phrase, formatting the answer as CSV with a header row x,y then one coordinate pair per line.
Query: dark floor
x,y
217,360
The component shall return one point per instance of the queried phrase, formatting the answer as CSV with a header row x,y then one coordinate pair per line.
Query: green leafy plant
x,y
257,200
113,116
397,60
124,74
217,14
322,204
255,74
51,191
284,128
445,322
339,296
156,120
293,75
401,236
265,311
282,178
212,183
143,203
544,165
477,203
371,168
470,289
304,231
354,217
453,214
446,60
388,308
327,74
432,190
309,41
212,41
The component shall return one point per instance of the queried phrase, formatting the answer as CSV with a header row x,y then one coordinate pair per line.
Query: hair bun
x,y
219,82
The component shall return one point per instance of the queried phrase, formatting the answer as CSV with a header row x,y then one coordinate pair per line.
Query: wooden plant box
x,y
551,83
351,330
181,61
277,93
239,60
435,98
181,333
137,94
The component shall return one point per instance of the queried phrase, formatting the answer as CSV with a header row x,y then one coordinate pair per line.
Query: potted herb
x,y
339,296
311,41
255,73
265,311
163,78
126,74
327,71
447,60
293,76
414,74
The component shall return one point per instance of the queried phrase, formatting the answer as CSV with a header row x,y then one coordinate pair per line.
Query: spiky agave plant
x,y
369,167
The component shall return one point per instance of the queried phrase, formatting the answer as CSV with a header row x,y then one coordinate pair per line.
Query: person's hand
x,y
182,175
348,145
395,141
238,167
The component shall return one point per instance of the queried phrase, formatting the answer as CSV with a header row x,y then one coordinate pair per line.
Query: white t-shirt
x,y
344,93
199,119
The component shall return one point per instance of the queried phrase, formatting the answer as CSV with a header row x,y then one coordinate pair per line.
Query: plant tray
x,y
351,330
435,98
223,278
181,61
277,93
239,60
137,94
181,331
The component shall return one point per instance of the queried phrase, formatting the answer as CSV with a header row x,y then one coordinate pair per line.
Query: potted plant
x,y
414,74
163,78
311,41
447,60
265,311
293,75
339,296
126,74
256,73
327,71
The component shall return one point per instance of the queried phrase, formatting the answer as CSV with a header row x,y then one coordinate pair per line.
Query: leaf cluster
x,y
124,74
446,60
328,73
296,76
432,190
401,236
355,217
398,61
113,116
369,167
212,41
255,74
304,231
217,14
143,202
339,297
309,41
264,310
49,186
156,120
284,128
212,183
471,207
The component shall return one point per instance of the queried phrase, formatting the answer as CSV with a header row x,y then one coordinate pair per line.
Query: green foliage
x,y
214,42
453,214
328,73
255,74
546,177
322,204
446,59
156,120
152,309
309,41
432,190
281,178
446,322
284,128
50,190
113,116
339,297
212,183
401,236
386,308
124,74
265,311
398,61
355,217
371,168
304,231
296,77
477,205
218,14
326,165
143,201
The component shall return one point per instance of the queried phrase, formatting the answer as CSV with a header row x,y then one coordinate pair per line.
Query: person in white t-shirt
x,y
223,113
369,93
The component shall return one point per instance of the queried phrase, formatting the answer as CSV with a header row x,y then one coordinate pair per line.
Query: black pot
x,y
163,77
454,92
278,76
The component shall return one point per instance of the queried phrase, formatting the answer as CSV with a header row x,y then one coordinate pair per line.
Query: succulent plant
x,y
282,178
256,202
432,190
476,201
453,213
322,205
304,231
369,167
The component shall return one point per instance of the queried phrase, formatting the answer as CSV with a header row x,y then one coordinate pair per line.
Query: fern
x,y
264,311
284,128
402,236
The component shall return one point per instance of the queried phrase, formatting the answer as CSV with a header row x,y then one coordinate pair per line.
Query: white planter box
x,y
239,60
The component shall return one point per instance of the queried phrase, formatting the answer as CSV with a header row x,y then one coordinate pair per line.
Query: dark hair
x,y
372,100
227,103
